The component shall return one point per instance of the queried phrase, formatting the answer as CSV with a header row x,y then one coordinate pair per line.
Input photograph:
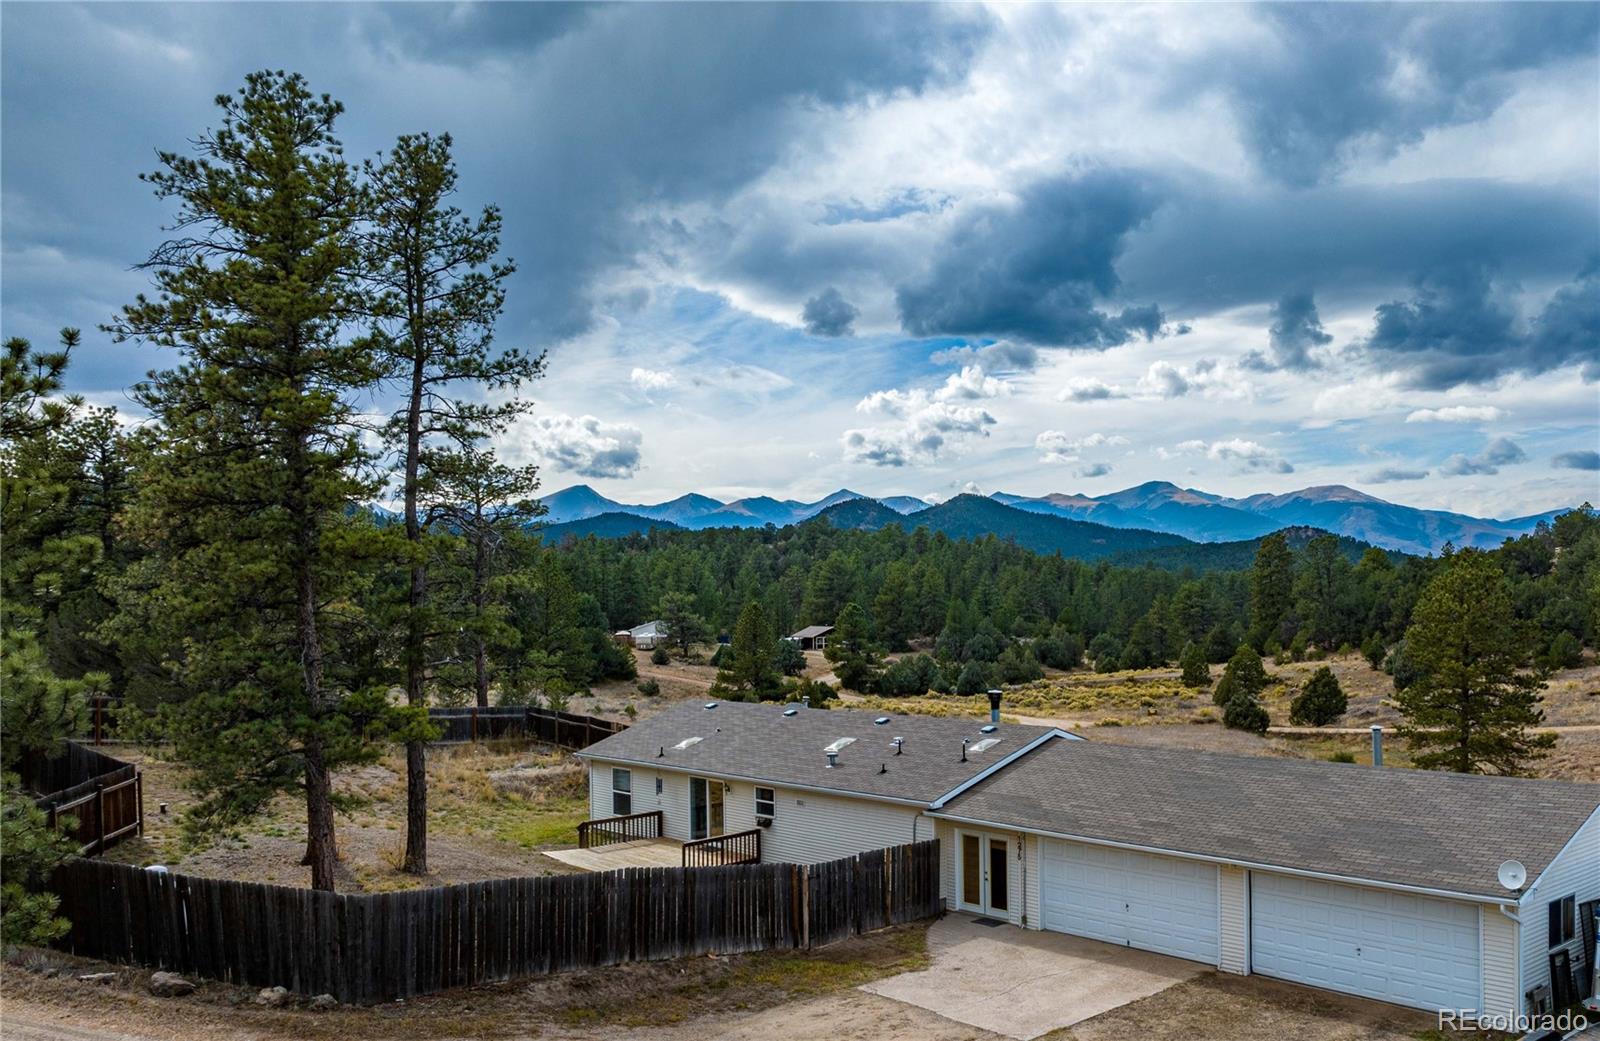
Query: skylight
x,y
685,743
880,721
839,744
987,728
986,743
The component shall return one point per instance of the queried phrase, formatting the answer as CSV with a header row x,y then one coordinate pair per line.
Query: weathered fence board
x,y
567,729
368,948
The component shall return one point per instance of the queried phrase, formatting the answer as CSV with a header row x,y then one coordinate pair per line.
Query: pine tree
x,y
1271,588
850,648
1244,676
253,460
480,505
685,627
439,294
1321,701
1475,700
1196,670
750,666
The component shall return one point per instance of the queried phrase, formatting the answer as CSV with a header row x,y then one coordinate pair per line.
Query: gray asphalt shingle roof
x,y
1409,827
812,630
758,742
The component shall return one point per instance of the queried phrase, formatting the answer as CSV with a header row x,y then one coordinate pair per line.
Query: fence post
x,y
805,907
474,722
99,818
138,783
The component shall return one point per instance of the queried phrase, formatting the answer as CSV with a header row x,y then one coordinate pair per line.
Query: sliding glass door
x,y
705,808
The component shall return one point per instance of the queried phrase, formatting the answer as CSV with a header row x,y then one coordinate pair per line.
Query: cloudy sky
x,y
911,250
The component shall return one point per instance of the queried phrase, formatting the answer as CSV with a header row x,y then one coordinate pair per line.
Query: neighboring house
x,y
812,637
645,637
1381,883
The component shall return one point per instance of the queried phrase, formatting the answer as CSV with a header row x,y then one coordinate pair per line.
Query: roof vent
x,y
710,705
685,743
986,744
880,721
963,750
898,743
791,712
987,728
836,746
833,758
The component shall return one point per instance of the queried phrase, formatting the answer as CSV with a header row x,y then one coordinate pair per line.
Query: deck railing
x,y
628,828
742,847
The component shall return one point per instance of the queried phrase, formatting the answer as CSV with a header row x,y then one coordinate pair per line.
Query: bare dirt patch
x,y
1250,1008
491,807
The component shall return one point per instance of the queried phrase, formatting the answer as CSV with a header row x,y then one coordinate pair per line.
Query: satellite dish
x,y
1513,875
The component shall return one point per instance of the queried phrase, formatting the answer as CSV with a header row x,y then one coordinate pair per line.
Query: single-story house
x,y
645,637
1384,883
812,637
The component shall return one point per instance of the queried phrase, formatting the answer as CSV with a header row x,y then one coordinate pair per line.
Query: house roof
x,y
654,628
758,742
811,631
1448,832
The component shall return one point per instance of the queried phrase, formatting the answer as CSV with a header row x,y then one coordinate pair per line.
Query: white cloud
x,y
1087,388
652,379
928,428
580,444
971,384
1457,414
1055,446
1166,380
1502,451
1245,455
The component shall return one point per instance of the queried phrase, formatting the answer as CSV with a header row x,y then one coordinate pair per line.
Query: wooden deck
x,y
638,853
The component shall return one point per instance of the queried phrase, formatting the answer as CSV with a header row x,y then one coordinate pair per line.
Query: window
x,y
766,802
621,792
1563,919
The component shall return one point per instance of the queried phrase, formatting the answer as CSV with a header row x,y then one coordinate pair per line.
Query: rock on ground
x,y
169,985
324,1003
274,997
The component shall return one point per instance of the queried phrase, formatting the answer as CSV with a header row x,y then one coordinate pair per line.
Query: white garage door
x,y
1411,950
1154,903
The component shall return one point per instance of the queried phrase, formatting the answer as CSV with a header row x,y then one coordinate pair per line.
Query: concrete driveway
x,y
1022,983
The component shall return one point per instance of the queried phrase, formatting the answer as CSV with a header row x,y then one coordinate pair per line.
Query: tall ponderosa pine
x,y
483,504
439,296
1475,700
1271,589
253,460
751,664
850,648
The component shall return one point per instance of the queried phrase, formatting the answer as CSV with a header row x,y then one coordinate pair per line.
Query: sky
x,y
922,250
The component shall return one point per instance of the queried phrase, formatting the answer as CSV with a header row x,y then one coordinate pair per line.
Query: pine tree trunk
x,y
416,861
320,845
321,848
480,600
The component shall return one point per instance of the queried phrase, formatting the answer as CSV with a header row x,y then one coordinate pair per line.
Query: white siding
x,y
945,832
1030,883
1233,919
1499,963
807,827
1575,872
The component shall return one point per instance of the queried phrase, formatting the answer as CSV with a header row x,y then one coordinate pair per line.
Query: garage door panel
x,y
1132,899
1396,947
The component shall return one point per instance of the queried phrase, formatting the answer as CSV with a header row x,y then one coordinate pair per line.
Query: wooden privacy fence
x,y
567,729
102,794
370,948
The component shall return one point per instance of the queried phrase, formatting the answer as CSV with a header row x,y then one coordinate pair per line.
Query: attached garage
x,y
1162,904
1376,943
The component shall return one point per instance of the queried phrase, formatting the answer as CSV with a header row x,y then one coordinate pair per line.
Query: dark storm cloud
x,y
1212,246
571,119
1460,327
1577,461
1327,82
1038,271
1296,328
829,314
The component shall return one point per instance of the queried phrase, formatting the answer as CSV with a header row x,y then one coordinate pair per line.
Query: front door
x,y
705,808
984,882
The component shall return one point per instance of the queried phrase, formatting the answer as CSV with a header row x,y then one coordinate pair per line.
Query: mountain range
x,y
1153,509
